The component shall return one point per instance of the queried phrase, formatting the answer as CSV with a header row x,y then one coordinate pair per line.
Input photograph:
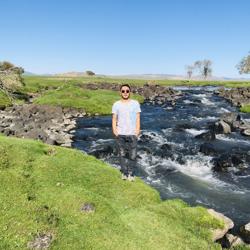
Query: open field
x,y
38,83
43,189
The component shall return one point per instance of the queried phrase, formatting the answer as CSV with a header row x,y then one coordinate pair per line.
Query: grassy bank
x,y
245,108
44,187
4,100
92,101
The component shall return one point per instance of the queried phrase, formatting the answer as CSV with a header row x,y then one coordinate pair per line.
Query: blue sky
x,y
124,36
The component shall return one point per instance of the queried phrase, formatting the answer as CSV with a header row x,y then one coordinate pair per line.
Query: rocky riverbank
x,y
50,124
153,93
225,157
236,96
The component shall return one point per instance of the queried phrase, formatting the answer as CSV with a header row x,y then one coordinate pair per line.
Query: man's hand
x,y
115,133
114,125
137,130
137,133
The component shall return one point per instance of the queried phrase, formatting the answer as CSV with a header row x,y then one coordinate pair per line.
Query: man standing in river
x,y
126,128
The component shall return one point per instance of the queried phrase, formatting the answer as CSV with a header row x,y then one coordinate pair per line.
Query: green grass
x,y
245,108
35,84
43,192
4,100
39,83
92,101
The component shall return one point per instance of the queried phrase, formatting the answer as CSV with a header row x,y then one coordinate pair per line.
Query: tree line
x,y
204,67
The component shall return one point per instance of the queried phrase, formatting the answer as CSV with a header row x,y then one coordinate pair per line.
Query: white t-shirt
x,y
126,116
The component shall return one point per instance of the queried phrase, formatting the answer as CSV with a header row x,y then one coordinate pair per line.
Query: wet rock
x,y
225,161
102,151
222,163
245,132
230,117
208,149
224,128
220,232
144,138
208,136
230,240
183,126
161,170
166,146
245,232
163,153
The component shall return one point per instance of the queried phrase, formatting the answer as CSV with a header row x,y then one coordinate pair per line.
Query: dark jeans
x,y
127,149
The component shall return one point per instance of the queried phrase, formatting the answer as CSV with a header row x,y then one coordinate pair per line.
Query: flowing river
x,y
168,152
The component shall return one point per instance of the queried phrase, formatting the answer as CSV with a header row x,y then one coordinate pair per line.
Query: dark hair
x,y
125,85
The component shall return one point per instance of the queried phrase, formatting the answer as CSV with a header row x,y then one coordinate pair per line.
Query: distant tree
x,y
244,65
89,73
190,70
204,67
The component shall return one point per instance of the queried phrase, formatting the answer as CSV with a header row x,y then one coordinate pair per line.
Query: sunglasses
x,y
125,91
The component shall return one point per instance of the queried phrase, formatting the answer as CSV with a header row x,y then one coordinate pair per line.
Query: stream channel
x,y
168,153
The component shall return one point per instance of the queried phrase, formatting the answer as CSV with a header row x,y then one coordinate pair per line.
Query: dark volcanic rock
x,y
236,96
102,151
208,149
245,232
225,161
50,124
208,136
182,126
153,93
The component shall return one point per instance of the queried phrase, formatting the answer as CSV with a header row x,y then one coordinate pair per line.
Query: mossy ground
x,y
43,188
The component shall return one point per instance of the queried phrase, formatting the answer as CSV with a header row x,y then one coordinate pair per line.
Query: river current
x,y
168,152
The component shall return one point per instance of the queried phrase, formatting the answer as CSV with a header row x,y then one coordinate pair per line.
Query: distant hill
x,y
175,77
151,76
27,73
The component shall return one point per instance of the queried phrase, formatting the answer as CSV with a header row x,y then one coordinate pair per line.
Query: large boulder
x,y
245,132
224,127
245,232
230,240
208,149
220,232
208,136
223,162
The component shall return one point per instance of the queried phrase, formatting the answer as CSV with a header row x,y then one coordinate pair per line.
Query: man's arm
x,y
138,124
114,124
